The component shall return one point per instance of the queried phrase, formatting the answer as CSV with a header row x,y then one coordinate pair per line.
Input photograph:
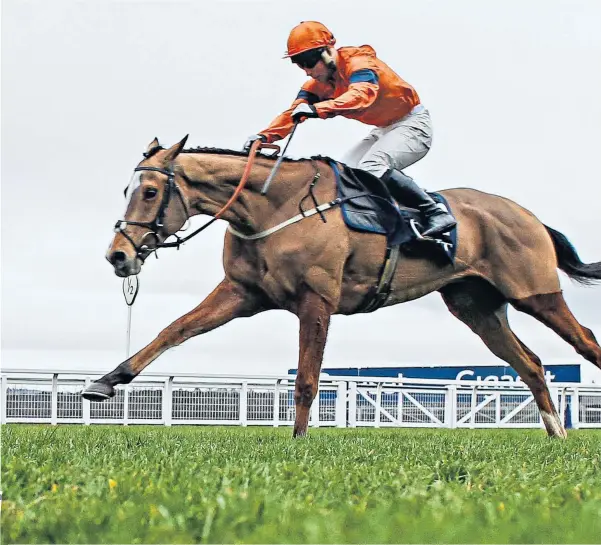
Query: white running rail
x,y
53,397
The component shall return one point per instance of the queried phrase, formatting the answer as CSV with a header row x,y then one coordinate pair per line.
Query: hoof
x,y
98,391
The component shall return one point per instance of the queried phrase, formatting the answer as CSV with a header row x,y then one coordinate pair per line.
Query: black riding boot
x,y
404,189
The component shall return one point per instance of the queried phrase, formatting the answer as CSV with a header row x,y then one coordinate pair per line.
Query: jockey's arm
x,y
282,125
362,93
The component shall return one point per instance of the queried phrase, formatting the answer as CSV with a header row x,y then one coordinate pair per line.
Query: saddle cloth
x,y
368,206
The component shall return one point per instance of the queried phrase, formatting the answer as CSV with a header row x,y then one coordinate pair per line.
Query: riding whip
x,y
278,162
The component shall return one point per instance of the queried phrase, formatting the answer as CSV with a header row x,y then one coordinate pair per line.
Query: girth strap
x,y
383,289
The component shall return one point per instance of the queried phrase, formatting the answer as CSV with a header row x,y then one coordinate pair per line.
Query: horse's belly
x,y
413,278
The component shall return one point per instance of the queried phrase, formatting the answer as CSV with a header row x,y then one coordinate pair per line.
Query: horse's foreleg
x,y
226,302
314,315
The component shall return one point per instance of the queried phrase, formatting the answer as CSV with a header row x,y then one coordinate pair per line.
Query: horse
x,y
318,266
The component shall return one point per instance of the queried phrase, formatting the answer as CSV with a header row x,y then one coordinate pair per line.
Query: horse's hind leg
x,y
484,309
552,310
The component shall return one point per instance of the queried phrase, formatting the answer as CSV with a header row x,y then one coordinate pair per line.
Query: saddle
x,y
368,206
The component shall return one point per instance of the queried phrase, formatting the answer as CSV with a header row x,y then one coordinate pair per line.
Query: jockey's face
x,y
319,72
319,64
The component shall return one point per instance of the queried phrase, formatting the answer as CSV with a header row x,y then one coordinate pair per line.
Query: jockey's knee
x,y
376,165
380,162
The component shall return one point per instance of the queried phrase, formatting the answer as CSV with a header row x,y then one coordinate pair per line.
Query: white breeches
x,y
396,146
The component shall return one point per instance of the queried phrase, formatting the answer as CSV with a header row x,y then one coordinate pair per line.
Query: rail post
x,y
400,405
498,408
4,400
341,395
451,407
575,407
167,407
276,404
352,405
126,405
54,400
85,407
244,403
473,406
378,415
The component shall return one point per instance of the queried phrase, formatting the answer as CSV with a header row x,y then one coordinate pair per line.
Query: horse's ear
x,y
153,144
152,148
176,149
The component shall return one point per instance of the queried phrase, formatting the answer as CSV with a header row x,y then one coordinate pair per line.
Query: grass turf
x,y
110,484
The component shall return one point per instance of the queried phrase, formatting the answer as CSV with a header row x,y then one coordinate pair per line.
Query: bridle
x,y
154,226
157,223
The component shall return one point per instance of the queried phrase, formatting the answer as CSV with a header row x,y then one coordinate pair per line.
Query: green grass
x,y
110,484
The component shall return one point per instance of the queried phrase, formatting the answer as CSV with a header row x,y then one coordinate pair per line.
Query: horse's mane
x,y
237,153
222,151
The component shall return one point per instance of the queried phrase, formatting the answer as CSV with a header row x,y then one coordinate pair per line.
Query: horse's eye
x,y
150,193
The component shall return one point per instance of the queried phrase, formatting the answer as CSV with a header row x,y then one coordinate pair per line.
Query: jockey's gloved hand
x,y
252,138
303,111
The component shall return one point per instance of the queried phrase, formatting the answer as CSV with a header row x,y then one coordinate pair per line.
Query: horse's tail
x,y
569,262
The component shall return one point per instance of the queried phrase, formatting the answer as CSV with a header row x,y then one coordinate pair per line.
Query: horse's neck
x,y
216,177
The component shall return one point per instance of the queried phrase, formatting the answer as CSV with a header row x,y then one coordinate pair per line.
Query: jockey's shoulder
x,y
357,51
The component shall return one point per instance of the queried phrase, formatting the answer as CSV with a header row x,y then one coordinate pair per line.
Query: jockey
x,y
354,83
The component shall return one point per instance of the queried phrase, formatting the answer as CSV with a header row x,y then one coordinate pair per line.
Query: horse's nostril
x,y
116,258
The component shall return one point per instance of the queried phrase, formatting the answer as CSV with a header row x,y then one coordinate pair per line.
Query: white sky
x,y
513,88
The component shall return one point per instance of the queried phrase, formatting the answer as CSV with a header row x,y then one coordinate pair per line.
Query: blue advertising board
x,y
489,373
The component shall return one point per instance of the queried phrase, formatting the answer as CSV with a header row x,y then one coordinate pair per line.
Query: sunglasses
x,y
307,59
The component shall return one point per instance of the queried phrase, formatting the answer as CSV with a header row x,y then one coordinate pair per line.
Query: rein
x,y
144,250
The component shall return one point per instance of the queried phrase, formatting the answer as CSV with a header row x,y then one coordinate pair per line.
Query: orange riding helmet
x,y
308,35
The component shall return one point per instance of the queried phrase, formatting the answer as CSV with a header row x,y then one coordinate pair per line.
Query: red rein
x,y
256,145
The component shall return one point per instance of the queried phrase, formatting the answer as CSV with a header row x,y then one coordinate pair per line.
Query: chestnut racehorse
x,y
314,269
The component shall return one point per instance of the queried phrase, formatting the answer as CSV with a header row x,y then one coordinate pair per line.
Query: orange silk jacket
x,y
364,88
